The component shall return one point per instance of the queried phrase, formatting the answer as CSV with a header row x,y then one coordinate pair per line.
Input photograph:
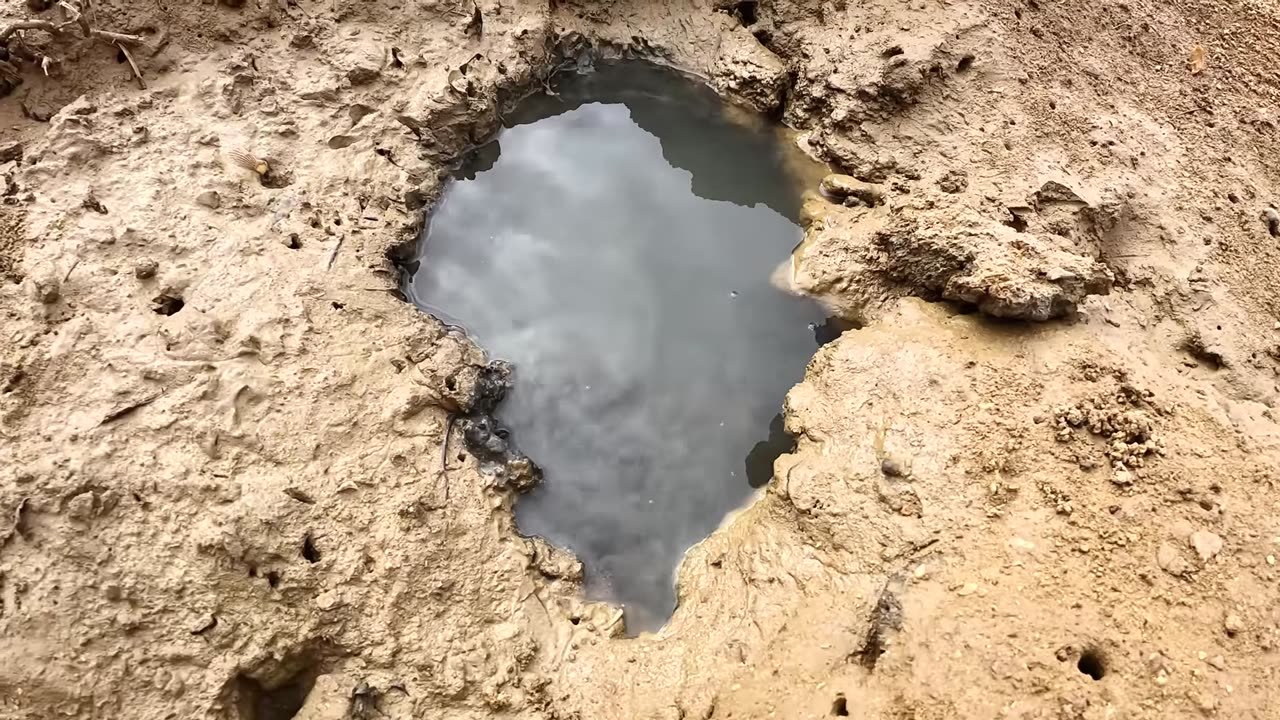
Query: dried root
x,y
14,50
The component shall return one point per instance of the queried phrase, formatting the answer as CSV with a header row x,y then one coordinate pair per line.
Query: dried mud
x,y
231,483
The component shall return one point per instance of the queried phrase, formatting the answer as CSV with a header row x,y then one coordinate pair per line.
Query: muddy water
x,y
615,243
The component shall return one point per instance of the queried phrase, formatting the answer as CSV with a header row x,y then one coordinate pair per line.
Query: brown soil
x,y
230,485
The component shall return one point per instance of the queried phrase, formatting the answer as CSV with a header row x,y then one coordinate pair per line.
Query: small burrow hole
x,y
746,12
965,63
1091,663
575,620
259,700
1206,505
273,578
840,707
892,51
294,242
309,549
1017,222
167,303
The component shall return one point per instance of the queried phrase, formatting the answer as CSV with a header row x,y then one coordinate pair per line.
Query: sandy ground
x,y
228,482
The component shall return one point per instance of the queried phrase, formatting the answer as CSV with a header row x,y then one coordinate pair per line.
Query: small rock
x,y
11,152
1122,477
146,269
1170,561
1206,703
363,74
1181,529
954,181
967,589
1272,218
1233,624
48,290
80,507
896,465
329,600
210,199
847,186
1206,544
1218,662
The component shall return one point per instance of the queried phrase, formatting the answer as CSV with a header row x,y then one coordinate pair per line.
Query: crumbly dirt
x,y
231,485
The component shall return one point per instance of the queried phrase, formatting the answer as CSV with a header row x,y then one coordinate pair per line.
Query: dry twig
x,y
76,18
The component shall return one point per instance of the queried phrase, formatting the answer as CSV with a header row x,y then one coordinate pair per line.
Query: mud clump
x,y
948,255
1129,431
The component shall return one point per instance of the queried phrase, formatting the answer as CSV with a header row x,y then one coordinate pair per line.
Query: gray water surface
x,y
615,243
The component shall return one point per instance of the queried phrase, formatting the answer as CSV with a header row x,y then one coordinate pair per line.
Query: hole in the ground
x,y
274,693
892,51
1016,221
648,366
965,63
1092,663
832,328
294,242
840,706
167,302
273,578
745,11
309,550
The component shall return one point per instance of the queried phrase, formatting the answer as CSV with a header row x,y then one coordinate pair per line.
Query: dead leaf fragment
x,y
1198,60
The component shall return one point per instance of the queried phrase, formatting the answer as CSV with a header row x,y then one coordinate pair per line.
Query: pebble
x,y
1170,561
896,466
48,290
1206,703
845,186
967,589
1233,624
1207,544
145,269
210,199
1218,662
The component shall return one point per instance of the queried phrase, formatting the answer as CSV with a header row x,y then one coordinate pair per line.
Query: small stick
x,y
113,37
71,269
138,73
333,254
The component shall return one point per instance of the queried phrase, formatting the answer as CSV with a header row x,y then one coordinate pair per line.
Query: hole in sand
x,y
276,694
965,63
1091,663
840,707
167,303
745,11
616,243
309,550
273,578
